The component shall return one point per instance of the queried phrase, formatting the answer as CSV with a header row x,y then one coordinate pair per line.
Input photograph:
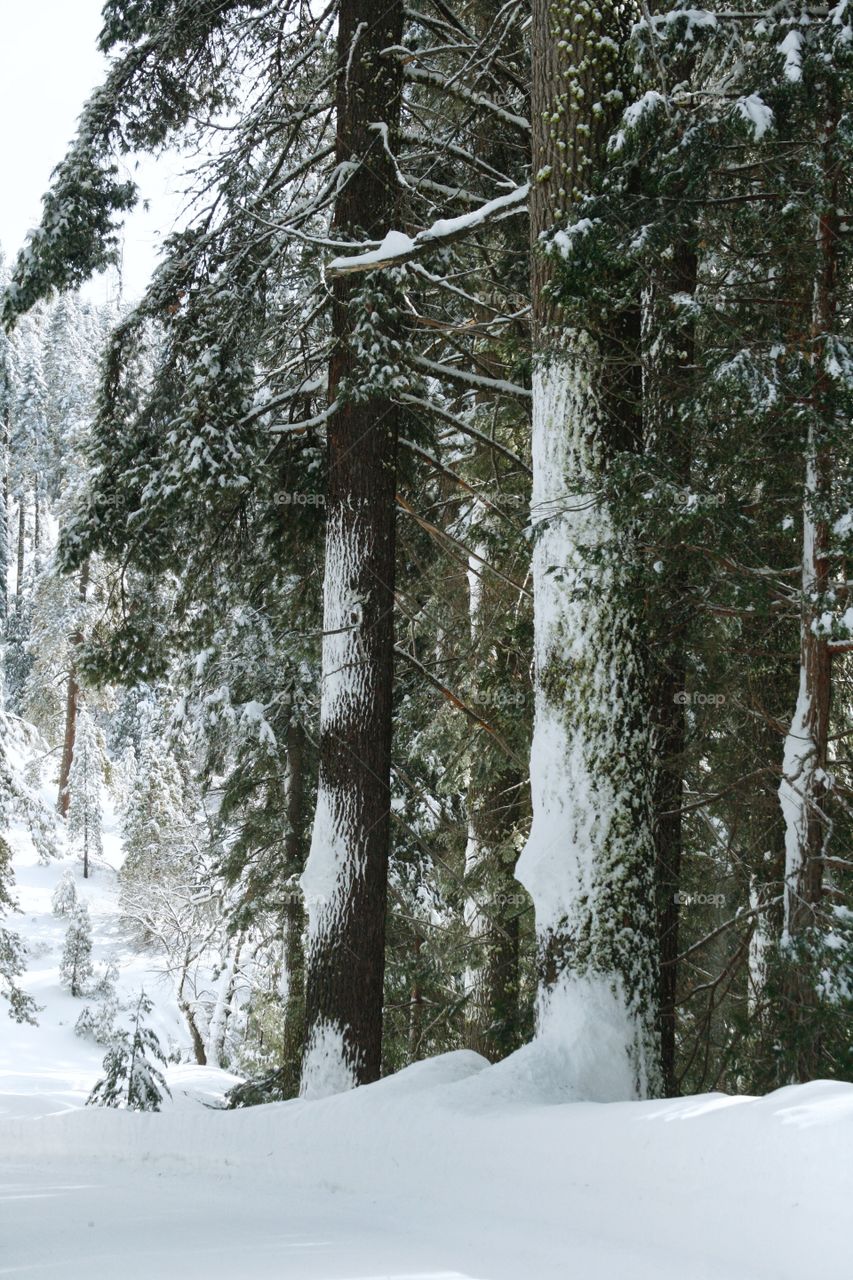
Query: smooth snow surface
x,y
431,1175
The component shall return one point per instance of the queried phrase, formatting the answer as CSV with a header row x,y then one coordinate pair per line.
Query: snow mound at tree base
x,y
442,1171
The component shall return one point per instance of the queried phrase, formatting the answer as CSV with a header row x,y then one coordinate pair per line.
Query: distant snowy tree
x,y
85,782
75,968
154,823
132,1080
64,898
12,951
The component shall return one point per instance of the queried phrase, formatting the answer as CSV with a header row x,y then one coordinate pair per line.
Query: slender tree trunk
x,y
222,1005
85,846
187,1010
345,880
72,704
294,916
4,508
669,358
589,862
493,1018
36,528
416,1014
803,792
22,536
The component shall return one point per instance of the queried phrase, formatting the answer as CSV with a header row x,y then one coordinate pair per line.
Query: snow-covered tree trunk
x,y
589,860
345,879
492,904
803,787
805,782
476,1010
186,1008
218,1024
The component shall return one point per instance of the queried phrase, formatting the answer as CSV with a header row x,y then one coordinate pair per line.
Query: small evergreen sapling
x,y
75,969
97,1022
65,895
132,1080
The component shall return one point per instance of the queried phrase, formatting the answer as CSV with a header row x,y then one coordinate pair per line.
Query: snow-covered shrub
x,y
97,1021
132,1080
64,898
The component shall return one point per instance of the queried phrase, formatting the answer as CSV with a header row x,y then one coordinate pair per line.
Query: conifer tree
x,y
98,1022
132,1079
75,968
64,898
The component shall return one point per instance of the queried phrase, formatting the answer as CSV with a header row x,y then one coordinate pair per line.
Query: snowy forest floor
x,y
451,1170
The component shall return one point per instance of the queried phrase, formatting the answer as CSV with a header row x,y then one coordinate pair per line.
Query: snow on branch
x,y
459,91
398,248
472,379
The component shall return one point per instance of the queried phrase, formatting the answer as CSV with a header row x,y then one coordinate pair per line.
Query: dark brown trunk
x,y
492,1018
294,915
416,1012
346,959
195,1035
669,375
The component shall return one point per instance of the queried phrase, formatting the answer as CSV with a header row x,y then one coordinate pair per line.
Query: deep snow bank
x,y
503,1185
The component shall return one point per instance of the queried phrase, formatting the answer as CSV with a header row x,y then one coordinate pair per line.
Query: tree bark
x,y
589,861
669,359
294,915
345,880
492,1017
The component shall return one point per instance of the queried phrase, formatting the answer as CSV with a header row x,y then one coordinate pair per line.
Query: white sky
x,y
48,64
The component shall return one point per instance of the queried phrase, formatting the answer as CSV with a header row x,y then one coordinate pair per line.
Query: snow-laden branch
x,y
423,76
398,248
476,380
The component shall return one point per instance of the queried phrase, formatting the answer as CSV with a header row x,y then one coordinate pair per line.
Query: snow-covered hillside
x,y
48,1068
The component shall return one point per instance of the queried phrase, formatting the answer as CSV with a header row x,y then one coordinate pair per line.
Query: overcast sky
x,y
48,64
